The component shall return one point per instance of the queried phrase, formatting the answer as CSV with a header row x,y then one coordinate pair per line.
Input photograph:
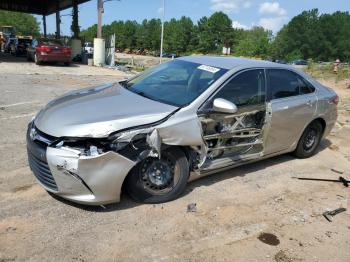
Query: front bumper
x,y
90,180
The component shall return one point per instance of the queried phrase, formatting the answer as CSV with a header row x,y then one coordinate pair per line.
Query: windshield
x,y
176,83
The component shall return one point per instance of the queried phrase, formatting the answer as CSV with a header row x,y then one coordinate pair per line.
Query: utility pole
x,y
162,33
99,22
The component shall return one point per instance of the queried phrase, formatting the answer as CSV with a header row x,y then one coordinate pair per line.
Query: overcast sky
x,y
244,13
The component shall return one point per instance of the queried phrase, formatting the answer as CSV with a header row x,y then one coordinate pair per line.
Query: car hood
x,y
98,112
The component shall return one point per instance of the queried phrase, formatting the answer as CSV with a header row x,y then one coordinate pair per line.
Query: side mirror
x,y
221,105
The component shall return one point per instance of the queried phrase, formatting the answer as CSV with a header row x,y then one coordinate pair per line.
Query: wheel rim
x,y
158,176
310,139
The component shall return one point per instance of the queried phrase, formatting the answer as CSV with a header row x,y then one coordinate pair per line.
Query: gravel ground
x,y
233,210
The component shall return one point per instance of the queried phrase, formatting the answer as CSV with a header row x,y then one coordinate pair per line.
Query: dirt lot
x,y
233,208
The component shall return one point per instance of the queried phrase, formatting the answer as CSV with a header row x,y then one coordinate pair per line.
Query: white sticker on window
x,y
209,69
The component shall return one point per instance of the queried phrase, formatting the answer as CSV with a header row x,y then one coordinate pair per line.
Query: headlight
x,y
128,135
136,138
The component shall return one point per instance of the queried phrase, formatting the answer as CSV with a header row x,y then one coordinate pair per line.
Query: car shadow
x,y
241,171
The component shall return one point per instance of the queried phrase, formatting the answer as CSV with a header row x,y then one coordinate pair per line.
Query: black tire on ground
x,y
29,58
171,171
310,140
66,63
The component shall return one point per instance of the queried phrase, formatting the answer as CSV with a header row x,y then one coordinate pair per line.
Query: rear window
x,y
50,42
282,83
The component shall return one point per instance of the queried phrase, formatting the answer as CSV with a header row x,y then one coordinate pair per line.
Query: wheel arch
x,y
189,152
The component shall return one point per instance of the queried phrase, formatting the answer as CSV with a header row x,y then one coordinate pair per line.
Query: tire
x,y
309,140
29,58
147,184
66,63
37,62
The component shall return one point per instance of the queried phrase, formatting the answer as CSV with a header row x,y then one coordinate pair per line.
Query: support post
x,y
58,21
44,26
99,21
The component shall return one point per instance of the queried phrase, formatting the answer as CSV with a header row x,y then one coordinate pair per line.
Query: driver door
x,y
235,137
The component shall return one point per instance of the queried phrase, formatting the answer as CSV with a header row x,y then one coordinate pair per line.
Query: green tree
x,y
178,35
253,43
89,33
215,32
25,24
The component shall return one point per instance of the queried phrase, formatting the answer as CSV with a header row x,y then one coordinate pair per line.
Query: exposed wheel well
x,y
323,123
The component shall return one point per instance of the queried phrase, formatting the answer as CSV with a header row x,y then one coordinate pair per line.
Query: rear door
x,y
232,138
292,106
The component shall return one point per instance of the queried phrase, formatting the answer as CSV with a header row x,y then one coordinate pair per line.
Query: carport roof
x,y
39,7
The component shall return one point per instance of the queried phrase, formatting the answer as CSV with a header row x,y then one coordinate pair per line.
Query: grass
x,y
326,72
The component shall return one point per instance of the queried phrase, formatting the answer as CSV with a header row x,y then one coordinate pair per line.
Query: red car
x,y
48,50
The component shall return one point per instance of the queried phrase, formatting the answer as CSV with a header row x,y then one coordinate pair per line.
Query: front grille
x,y
36,151
41,171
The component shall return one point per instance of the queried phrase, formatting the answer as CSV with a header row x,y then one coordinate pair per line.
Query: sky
x,y
271,15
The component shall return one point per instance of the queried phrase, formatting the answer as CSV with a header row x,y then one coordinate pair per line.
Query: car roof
x,y
229,62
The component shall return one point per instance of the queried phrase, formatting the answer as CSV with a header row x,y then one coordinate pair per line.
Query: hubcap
x,y
157,175
310,139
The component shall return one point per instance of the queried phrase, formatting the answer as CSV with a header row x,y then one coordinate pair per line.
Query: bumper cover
x,y
89,180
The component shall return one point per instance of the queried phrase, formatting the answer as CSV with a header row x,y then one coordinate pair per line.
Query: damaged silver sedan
x,y
174,123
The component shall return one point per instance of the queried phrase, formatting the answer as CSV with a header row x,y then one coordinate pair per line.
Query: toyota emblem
x,y
32,134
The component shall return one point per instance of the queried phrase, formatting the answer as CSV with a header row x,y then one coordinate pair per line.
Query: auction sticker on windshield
x,y
209,69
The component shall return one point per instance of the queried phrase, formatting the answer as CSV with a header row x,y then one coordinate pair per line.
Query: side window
x,y
247,88
305,87
282,83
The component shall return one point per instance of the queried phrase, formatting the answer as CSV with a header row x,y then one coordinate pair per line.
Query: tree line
x,y
309,35
25,24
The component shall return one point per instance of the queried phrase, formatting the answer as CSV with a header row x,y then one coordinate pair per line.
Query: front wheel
x,y
156,180
309,141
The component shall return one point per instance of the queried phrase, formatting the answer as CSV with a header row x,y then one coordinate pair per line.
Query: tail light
x,y
334,100
66,50
44,49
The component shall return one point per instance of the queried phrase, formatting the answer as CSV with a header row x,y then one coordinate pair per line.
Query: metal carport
x,y
41,7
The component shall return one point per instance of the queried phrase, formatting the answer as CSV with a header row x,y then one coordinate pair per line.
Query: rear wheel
x,y
309,141
159,180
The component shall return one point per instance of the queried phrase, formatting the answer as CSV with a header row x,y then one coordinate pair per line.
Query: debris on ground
x,y
341,179
337,171
269,239
192,207
333,147
330,214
